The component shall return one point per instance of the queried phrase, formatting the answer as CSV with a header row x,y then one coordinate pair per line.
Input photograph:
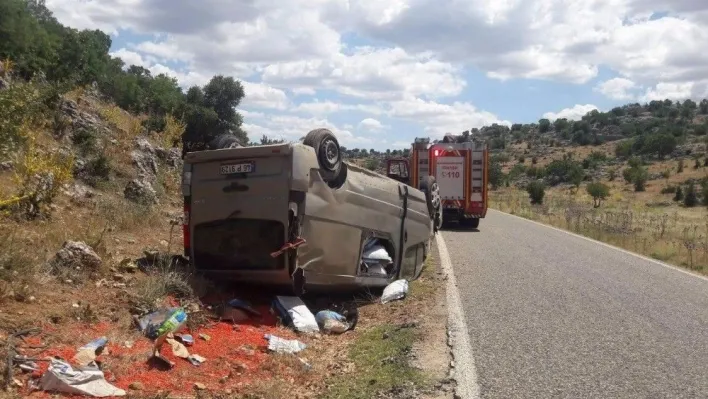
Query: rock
x,y
4,84
145,163
78,191
171,156
199,386
164,243
119,277
6,166
76,253
136,386
140,191
144,159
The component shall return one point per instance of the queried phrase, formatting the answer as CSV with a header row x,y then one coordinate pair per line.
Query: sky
x,y
380,73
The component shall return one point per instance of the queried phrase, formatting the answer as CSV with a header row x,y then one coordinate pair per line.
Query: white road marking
x,y
678,269
465,370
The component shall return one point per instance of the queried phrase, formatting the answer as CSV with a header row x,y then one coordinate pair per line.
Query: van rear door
x,y
237,202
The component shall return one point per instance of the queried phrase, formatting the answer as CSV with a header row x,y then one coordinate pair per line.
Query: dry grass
x,y
640,222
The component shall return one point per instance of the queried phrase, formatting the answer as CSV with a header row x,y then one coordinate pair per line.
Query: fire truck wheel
x,y
432,198
329,156
470,222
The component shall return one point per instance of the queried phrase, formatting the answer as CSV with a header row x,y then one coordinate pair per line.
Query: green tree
x,y
659,144
703,107
561,124
599,192
536,190
544,125
211,112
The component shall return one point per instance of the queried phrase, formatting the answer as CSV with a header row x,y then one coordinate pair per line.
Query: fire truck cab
x,y
460,170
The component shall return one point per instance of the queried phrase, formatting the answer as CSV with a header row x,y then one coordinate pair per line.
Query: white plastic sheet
x,y
395,291
282,345
89,380
294,312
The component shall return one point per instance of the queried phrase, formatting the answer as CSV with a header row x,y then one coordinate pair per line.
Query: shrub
x,y
599,192
536,191
668,190
86,140
691,198
679,169
679,194
173,131
39,176
534,160
371,164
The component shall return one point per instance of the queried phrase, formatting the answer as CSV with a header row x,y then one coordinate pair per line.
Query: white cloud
x,y
574,113
438,119
371,124
617,88
370,73
259,95
672,91
292,128
129,57
424,51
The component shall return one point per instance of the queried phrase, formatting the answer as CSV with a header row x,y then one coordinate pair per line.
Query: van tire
x,y
432,199
224,141
329,155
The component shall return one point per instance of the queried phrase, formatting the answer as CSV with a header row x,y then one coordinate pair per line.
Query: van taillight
x,y
185,226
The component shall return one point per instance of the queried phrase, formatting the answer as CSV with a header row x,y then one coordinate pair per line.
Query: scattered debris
x,y
89,380
199,386
12,353
88,353
204,337
395,291
332,322
196,359
281,345
186,339
178,349
294,313
236,311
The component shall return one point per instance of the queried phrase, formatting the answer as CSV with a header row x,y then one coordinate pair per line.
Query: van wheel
x,y
329,156
432,198
224,141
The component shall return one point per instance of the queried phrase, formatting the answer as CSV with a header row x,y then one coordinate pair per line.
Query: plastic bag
x,y
293,312
395,291
61,377
281,345
376,252
332,322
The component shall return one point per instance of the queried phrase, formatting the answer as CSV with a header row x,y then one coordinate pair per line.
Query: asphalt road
x,y
551,315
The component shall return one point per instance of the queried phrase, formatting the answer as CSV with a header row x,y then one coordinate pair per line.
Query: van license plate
x,y
246,167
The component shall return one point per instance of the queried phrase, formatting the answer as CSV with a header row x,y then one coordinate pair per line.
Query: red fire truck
x,y
460,170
